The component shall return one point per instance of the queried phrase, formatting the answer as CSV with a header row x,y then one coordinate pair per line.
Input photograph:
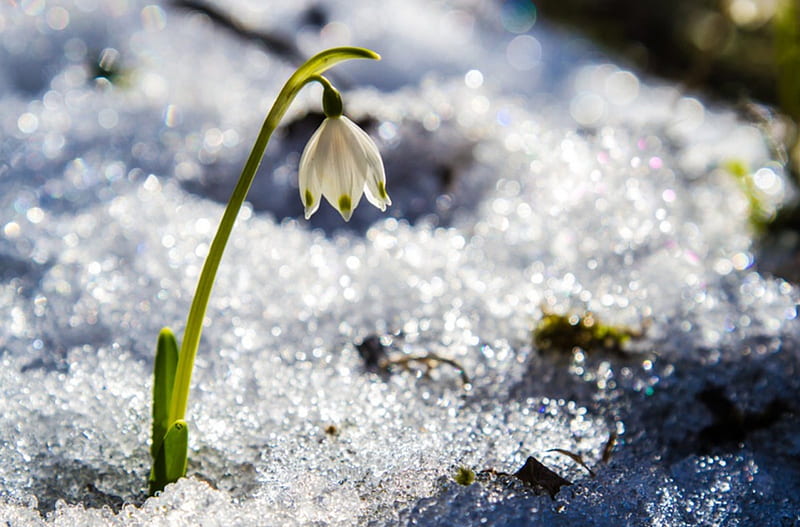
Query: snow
x,y
522,185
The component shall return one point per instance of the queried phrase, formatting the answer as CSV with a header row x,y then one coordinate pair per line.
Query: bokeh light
x,y
518,16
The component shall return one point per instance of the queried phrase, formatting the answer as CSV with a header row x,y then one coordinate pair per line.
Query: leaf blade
x,y
163,381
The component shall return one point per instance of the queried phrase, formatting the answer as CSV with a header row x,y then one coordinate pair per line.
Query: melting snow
x,y
528,176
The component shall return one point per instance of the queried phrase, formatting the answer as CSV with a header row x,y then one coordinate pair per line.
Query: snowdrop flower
x,y
340,162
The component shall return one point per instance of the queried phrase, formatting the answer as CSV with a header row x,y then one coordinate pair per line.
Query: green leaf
x,y
164,379
176,443
169,464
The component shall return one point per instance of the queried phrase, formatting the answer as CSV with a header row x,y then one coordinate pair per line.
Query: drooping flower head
x,y
341,162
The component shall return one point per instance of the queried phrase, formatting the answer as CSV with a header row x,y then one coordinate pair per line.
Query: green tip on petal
x,y
345,204
309,198
382,190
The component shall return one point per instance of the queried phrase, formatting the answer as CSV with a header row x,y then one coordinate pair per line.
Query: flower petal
x,y
311,197
309,184
342,180
341,163
374,175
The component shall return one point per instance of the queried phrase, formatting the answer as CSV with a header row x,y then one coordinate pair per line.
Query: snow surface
x,y
529,176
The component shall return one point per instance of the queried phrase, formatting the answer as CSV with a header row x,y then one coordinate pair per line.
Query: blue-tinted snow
x,y
529,175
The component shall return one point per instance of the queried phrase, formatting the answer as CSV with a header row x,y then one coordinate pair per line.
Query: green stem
x,y
331,98
315,66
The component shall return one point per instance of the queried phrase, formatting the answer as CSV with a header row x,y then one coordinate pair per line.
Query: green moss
x,y
759,215
565,332
464,476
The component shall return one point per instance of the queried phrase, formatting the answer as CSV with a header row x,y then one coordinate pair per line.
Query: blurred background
x,y
742,52
633,160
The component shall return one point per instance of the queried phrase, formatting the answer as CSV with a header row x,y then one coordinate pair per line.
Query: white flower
x,y
341,162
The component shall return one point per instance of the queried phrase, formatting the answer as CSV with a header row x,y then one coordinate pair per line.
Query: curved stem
x,y
315,66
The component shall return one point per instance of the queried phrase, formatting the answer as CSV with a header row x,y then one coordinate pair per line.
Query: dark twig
x,y
277,44
430,360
